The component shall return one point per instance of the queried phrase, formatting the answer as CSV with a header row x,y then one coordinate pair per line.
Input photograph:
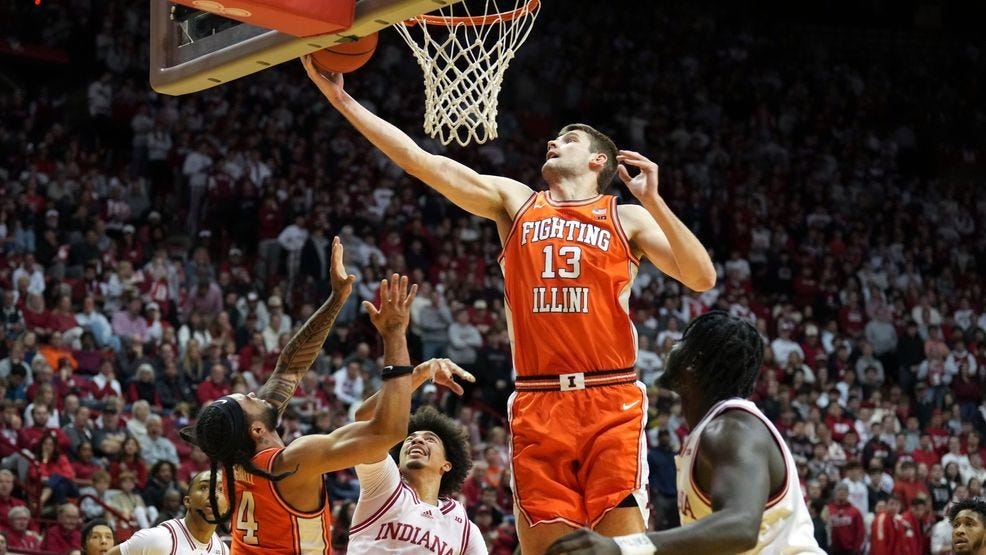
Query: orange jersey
x,y
567,271
263,522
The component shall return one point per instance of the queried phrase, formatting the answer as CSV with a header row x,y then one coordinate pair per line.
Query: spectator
x,y
129,324
215,387
128,502
53,471
96,323
955,455
85,464
92,496
19,536
7,500
154,446
433,323
464,340
845,524
65,534
916,521
887,534
161,480
109,434
660,460
349,384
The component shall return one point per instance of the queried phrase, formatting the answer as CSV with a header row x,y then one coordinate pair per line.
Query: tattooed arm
x,y
301,351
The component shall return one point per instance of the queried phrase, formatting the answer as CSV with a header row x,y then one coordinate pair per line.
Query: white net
x,y
464,53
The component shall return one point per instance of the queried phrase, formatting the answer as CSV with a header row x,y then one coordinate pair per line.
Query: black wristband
x,y
391,372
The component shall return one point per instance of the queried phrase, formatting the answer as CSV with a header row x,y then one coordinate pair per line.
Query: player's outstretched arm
x,y
732,452
477,194
655,230
300,352
441,371
369,440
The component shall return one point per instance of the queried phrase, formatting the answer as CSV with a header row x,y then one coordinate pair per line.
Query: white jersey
x,y
171,537
389,518
786,528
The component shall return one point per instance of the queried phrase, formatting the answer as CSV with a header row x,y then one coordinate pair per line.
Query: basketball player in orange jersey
x,y
279,504
569,257
738,487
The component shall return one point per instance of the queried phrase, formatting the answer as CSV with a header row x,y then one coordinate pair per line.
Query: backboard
x,y
194,50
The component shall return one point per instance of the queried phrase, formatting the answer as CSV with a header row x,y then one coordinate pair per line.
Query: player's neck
x,y
572,188
270,439
694,408
198,527
427,489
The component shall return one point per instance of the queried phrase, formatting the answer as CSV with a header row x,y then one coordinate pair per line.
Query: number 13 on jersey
x,y
567,265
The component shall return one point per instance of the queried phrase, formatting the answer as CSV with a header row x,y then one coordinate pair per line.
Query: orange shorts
x,y
577,454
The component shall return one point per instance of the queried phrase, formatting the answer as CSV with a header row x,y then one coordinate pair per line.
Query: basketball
x,y
346,56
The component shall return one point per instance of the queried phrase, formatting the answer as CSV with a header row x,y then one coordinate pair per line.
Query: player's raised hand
x,y
443,372
329,83
394,312
644,184
342,282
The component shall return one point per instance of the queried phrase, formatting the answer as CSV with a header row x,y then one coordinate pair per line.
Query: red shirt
x,y
907,491
210,391
60,540
18,541
27,438
914,532
848,528
927,457
939,438
36,320
885,535
838,426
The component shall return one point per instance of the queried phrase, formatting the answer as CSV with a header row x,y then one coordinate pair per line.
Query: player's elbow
x,y
389,432
746,531
702,282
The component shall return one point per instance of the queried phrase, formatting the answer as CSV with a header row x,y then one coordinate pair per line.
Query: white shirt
x,y
171,537
783,348
390,518
293,238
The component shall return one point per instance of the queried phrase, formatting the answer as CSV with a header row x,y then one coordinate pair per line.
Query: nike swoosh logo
x,y
628,406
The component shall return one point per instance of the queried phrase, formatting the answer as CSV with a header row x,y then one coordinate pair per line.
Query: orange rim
x,y
474,21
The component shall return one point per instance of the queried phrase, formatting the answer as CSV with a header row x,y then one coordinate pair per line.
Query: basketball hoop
x,y
463,58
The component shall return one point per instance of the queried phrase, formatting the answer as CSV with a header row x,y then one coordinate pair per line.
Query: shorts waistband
x,y
577,380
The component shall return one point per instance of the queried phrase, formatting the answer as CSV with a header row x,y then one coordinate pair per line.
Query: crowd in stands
x,y
157,252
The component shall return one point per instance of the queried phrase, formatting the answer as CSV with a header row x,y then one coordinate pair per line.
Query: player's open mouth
x,y
551,155
417,451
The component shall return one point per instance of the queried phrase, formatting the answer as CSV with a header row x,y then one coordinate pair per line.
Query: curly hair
x,y
724,353
454,439
222,433
975,504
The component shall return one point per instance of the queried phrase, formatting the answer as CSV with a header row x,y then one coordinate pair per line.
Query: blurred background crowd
x,y
157,252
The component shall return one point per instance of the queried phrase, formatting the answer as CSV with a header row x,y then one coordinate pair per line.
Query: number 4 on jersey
x,y
245,520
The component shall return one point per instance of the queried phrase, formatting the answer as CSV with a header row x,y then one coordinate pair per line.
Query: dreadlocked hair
x,y
454,440
725,354
221,433
974,504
